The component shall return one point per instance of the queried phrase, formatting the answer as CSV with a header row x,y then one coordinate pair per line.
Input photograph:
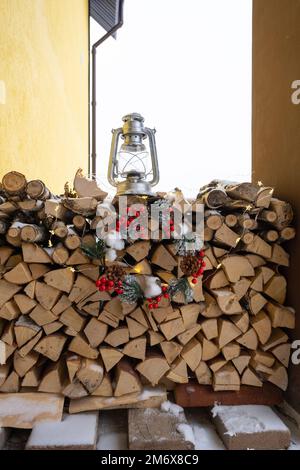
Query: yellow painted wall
x,y
44,57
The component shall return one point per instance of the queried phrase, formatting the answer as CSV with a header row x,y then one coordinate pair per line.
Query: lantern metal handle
x,y
150,133
111,174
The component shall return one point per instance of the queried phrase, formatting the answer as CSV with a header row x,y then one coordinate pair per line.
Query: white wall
x,y
188,72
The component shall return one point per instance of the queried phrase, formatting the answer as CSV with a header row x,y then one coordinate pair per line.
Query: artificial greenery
x,y
181,286
96,251
132,291
188,244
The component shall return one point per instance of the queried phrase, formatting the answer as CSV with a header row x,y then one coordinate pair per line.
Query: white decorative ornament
x,y
151,286
110,255
114,240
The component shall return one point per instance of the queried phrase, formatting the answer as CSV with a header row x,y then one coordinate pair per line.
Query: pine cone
x,y
189,265
115,272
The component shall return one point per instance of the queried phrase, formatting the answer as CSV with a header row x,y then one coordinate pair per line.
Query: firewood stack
x,y
73,325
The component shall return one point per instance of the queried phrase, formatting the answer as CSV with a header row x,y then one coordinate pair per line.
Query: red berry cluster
x,y
154,301
124,222
201,265
169,228
105,285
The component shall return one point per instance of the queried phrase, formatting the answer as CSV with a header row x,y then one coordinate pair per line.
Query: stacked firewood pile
x,y
81,315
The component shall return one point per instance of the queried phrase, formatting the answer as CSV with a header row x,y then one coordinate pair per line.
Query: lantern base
x,y
134,185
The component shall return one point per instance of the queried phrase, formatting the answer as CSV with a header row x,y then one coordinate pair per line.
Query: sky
x,y
188,72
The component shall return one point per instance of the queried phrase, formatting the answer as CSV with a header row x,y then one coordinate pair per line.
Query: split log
x,y
25,329
95,331
241,362
135,328
262,326
60,254
226,236
276,288
20,274
178,372
279,376
264,358
161,257
226,378
203,374
249,339
51,346
283,211
209,348
53,378
81,347
84,205
227,301
34,254
86,187
118,336
23,364
231,351
171,350
127,380
236,266
90,374
192,353
153,368
210,328
110,357
277,337
249,377
72,319
282,353
281,316
136,348
9,311
227,332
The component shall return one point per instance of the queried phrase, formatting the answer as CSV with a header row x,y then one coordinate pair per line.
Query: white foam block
x,y
73,432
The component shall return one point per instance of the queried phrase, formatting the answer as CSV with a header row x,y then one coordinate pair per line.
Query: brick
x,y
194,395
251,427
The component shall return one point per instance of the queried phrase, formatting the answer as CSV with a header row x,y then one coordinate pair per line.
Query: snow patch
x,y
247,419
206,436
187,432
77,429
114,240
113,441
26,409
171,408
110,255
149,392
96,368
152,286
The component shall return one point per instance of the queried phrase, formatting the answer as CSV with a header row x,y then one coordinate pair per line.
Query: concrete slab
x,y
250,427
159,429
